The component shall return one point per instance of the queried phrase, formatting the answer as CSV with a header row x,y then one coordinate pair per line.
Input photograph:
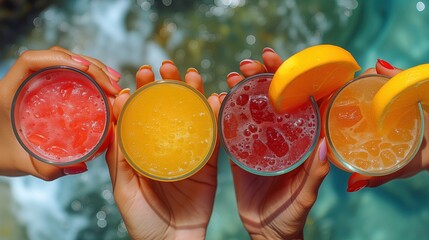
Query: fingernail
x,y
232,74
322,150
192,70
123,91
146,67
81,60
267,49
222,94
245,61
214,94
72,170
115,85
114,72
168,61
358,186
385,64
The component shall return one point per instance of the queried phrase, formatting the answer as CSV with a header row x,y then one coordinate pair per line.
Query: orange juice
x,y
356,144
167,130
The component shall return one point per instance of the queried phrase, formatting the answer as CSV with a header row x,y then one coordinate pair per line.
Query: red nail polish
x,y
385,64
72,170
358,186
245,61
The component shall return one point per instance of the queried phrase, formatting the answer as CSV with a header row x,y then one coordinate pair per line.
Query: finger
x,y
369,71
113,74
214,103
222,96
233,78
385,68
193,78
271,59
251,67
169,71
106,83
120,101
120,171
144,76
49,172
317,167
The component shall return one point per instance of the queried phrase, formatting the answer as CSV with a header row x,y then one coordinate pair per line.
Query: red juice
x,y
61,116
260,140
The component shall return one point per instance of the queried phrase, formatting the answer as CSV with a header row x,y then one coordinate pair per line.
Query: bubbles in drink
x,y
261,138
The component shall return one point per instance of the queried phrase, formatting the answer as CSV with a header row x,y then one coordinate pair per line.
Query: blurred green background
x,y
212,36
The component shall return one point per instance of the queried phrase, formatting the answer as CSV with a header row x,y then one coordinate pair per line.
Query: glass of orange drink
x,y
167,130
357,142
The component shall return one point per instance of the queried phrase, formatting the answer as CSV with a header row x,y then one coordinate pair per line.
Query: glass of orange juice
x,y
167,130
356,143
61,116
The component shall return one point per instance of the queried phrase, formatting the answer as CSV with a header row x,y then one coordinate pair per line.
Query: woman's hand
x,y
163,210
419,163
276,207
14,160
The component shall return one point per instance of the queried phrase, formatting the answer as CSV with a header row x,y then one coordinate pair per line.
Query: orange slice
x,y
402,93
315,71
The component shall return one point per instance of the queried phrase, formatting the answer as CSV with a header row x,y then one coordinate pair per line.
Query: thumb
x,y
385,68
317,167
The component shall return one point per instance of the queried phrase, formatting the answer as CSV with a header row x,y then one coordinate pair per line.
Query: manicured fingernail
x,y
358,186
81,60
222,94
72,170
232,74
322,150
114,72
214,94
115,85
123,91
146,67
267,49
168,61
385,64
192,70
245,61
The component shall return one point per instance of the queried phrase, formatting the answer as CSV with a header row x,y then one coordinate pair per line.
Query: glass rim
x,y
349,166
213,139
23,142
265,173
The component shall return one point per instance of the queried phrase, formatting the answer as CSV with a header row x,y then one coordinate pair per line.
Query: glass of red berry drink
x,y
61,116
260,140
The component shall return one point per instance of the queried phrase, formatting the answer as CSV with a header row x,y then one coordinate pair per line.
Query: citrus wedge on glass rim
x,y
403,93
313,72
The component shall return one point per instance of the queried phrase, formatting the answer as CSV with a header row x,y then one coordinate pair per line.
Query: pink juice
x,y
261,140
61,116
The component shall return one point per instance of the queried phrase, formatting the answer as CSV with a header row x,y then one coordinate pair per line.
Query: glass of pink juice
x,y
61,116
260,140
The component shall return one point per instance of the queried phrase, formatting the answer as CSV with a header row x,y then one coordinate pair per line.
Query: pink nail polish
x,y
358,186
323,150
232,74
267,49
72,170
114,72
245,61
116,85
81,60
